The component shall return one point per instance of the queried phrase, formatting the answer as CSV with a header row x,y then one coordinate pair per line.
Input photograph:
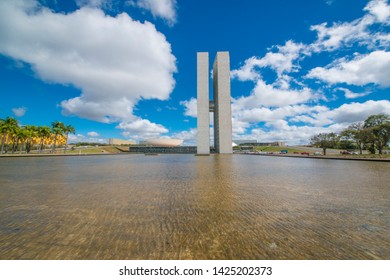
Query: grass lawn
x,y
278,149
366,156
93,150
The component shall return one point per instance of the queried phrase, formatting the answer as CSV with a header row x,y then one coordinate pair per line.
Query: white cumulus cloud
x,y
190,107
19,112
352,95
247,72
337,35
283,60
291,134
165,9
189,136
141,129
355,112
345,114
93,134
268,95
319,120
372,68
92,3
75,138
380,9
112,60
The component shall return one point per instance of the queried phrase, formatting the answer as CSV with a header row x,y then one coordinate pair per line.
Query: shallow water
x,y
187,207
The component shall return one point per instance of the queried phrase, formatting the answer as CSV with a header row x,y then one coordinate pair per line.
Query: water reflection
x,y
186,207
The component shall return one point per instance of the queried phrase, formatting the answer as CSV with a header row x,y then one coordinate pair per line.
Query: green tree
x,y
324,141
22,135
346,144
379,128
57,128
7,128
68,129
43,132
2,133
31,132
356,133
15,133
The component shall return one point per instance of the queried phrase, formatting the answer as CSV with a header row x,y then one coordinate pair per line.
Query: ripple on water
x,y
186,207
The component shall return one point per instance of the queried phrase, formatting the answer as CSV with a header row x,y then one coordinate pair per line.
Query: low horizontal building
x,y
276,144
46,141
115,141
161,142
163,149
265,144
240,142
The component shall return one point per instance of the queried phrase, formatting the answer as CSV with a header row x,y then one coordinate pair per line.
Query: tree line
x,y
372,134
15,137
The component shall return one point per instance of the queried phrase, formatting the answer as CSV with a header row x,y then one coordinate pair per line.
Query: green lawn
x,y
93,150
278,149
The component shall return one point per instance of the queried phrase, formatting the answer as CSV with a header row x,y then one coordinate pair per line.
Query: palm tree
x,y
31,132
15,133
57,128
43,132
7,126
1,130
22,136
68,129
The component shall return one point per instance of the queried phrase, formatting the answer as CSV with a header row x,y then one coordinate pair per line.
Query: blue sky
x,y
127,69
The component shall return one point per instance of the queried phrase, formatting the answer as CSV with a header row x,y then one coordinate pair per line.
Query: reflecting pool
x,y
187,207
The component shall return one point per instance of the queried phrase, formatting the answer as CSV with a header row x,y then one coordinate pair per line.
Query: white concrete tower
x,y
222,104
203,121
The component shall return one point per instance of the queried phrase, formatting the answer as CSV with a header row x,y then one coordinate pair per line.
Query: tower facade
x,y
203,121
221,105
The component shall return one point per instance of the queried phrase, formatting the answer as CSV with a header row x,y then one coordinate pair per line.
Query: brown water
x,y
187,207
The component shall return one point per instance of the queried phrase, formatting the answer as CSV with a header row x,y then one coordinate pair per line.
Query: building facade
x,y
115,141
220,106
240,142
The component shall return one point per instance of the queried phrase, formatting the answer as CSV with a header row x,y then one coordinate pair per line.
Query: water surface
x,y
187,207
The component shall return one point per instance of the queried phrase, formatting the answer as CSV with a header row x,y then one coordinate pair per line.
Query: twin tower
x,y
220,106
